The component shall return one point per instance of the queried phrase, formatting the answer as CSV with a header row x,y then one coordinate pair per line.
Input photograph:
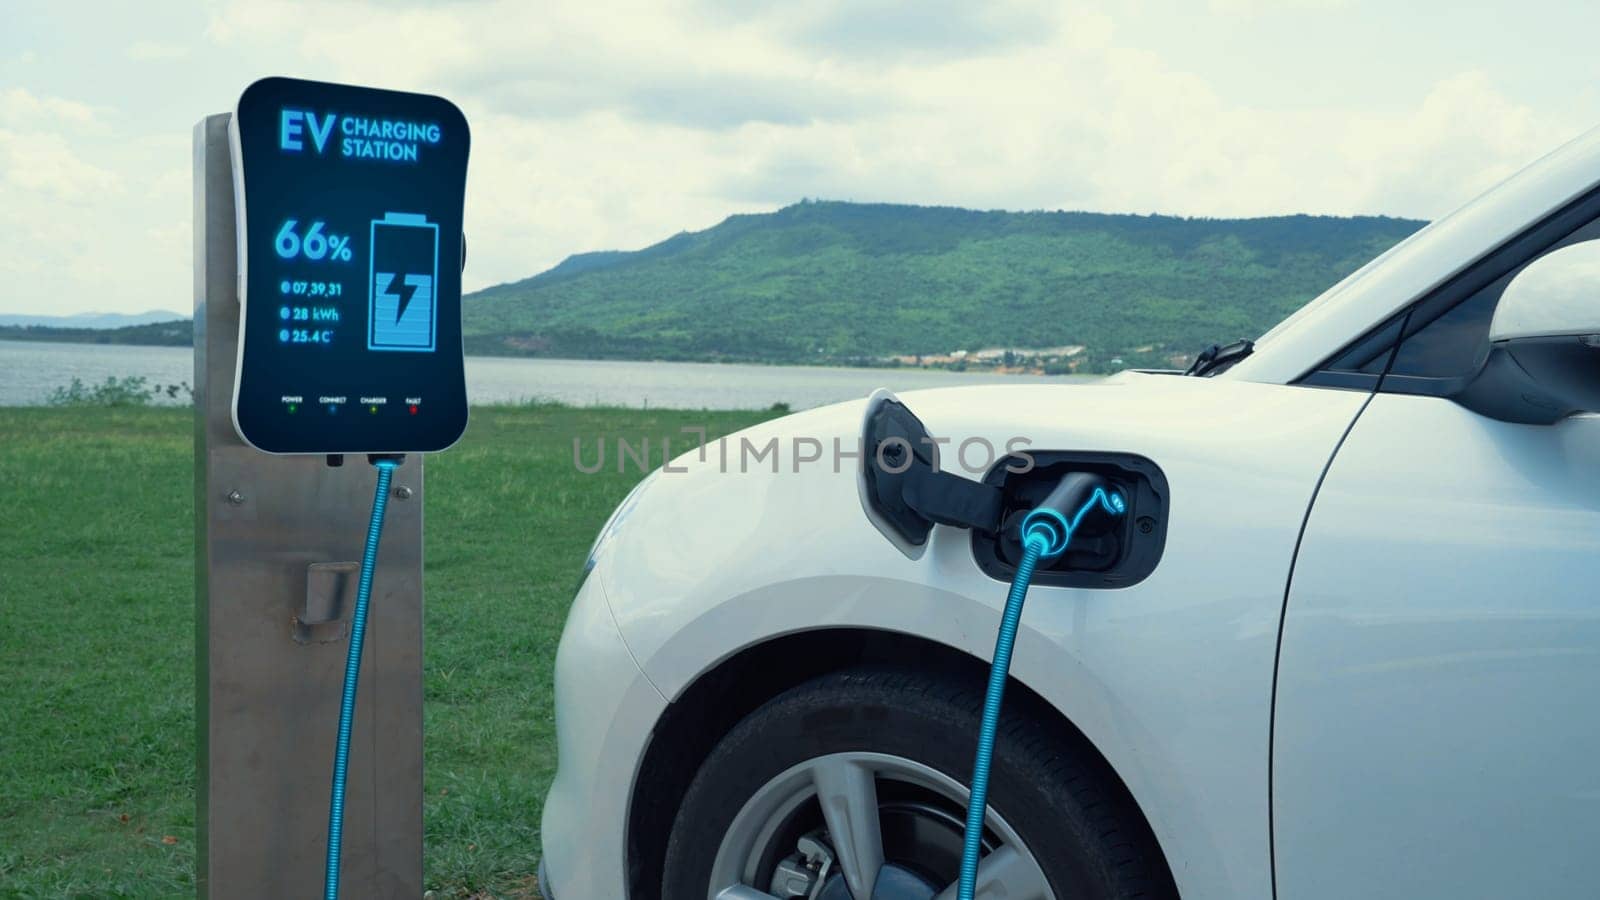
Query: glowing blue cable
x,y
1046,534
352,672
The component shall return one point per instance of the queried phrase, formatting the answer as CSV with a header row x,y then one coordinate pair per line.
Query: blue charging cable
x,y
1046,532
352,673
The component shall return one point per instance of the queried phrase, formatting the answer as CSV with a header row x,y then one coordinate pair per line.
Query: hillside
x,y
174,333
91,319
843,282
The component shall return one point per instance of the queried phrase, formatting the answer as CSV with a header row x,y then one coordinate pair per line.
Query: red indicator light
x,y
413,409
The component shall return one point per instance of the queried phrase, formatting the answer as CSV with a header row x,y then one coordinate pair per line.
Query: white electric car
x,y
1345,643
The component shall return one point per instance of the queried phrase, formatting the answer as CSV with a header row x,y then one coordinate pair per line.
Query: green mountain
x,y
845,282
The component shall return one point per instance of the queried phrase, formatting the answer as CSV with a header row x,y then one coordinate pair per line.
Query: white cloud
x,y
1464,137
1259,7
82,230
613,125
894,29
45,164
155,51
38,156
19,107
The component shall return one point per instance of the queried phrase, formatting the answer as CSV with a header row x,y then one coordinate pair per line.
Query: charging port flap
x,y
891,432
903,491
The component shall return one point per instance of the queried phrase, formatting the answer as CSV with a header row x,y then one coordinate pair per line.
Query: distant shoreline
x,y
174,333
179,334
34,370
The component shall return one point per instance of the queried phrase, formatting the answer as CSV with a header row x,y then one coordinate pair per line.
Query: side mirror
x,y
1544,352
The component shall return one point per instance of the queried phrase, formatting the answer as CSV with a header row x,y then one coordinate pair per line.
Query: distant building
x,y
999,357
1028,352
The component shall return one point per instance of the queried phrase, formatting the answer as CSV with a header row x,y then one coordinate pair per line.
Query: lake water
x,y
29,371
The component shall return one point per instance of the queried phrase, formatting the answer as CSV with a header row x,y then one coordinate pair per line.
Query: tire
x,y
1051,800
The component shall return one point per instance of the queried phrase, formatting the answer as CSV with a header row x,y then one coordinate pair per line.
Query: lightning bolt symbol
x,y
398,287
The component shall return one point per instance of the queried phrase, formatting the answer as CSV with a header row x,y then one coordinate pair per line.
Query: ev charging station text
x,y
359,137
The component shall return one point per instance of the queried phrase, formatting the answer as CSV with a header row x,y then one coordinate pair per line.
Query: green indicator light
x,y
294,408
373,410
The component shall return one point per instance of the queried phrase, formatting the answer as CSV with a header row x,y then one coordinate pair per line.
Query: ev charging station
x,y
328,258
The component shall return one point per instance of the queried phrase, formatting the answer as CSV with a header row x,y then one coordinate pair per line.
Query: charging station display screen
x,y
349,207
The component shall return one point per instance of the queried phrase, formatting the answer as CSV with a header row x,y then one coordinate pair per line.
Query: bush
x,y
131,390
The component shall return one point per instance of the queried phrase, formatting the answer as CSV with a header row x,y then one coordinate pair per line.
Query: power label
x,y
402,309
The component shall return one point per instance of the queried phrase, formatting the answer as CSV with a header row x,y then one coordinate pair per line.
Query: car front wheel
x,y
853,785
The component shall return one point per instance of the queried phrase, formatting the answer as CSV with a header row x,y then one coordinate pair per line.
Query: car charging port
x,y
1064,518
1106,551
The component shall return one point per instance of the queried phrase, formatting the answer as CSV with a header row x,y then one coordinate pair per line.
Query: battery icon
x,y
403,309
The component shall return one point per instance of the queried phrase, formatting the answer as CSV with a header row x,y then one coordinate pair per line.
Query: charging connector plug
x,y
1077,500
1047,530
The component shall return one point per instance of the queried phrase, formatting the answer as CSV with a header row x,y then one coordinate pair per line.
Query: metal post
x,y
276,544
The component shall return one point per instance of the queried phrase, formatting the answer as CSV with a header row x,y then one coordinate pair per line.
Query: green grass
x,y
97,641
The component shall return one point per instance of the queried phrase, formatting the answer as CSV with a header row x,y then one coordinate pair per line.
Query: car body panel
x,y
605,708
1420,263
1435,728
1170,678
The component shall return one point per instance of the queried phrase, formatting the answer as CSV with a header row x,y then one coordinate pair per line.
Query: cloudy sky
x,y
602,125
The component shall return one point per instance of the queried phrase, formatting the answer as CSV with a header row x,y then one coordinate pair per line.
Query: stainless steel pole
x,y
276,544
